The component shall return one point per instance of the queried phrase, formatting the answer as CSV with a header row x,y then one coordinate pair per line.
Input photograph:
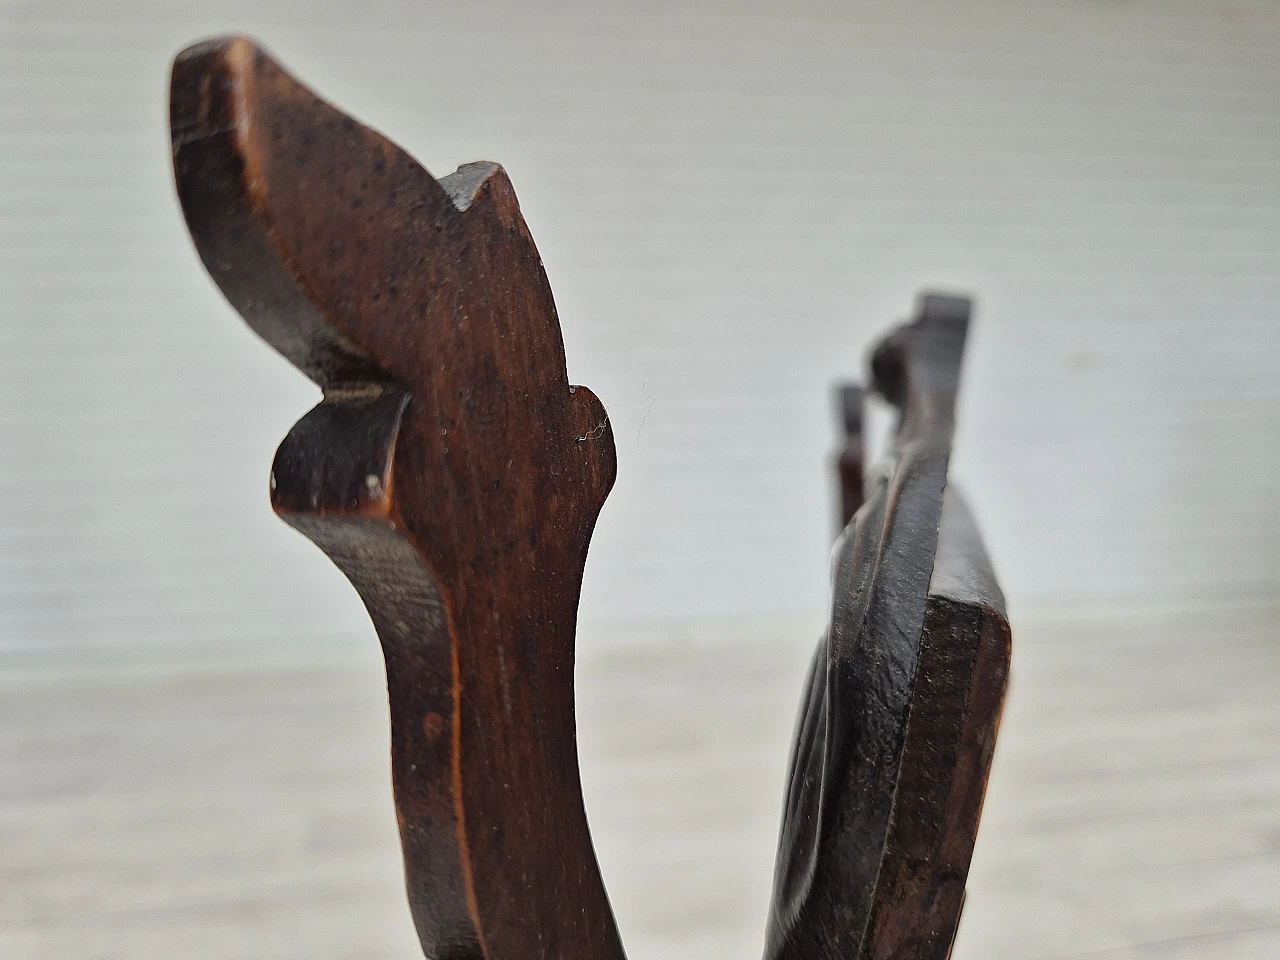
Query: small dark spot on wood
x,y
433,725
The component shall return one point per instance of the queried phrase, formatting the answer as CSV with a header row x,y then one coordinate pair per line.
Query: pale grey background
x,y
731,200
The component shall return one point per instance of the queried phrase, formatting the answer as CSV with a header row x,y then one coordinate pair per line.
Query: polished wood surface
x,y
455,476
451,471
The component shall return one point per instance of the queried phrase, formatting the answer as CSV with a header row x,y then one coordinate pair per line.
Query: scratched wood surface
x,y
245,811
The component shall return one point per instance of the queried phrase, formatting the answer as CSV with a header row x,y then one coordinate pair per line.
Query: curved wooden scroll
x,y
455,476
896,732
450,471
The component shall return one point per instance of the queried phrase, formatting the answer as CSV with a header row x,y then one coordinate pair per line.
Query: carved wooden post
x,y
455,476
898,725
451,472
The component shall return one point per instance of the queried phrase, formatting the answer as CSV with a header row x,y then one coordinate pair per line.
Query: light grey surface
x,y
245,814
731,200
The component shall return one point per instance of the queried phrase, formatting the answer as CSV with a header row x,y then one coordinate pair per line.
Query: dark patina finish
x,y
455,476
897,728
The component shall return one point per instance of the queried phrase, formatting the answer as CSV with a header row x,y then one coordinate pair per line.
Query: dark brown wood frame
x,y
454,474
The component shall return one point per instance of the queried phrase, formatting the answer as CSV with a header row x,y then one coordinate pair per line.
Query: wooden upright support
x,y
454,474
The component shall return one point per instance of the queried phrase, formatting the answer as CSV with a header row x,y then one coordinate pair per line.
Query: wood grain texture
x,y
451,471
897,728
948,744
774,179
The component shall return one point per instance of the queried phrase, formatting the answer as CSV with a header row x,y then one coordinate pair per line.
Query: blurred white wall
x,y
732,200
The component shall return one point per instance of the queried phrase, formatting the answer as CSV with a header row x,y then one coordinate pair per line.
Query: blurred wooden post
x,y
850,462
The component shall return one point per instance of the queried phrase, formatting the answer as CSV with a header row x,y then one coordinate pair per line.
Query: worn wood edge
x,y
329,498
962,672
333,481
344,501
851,730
